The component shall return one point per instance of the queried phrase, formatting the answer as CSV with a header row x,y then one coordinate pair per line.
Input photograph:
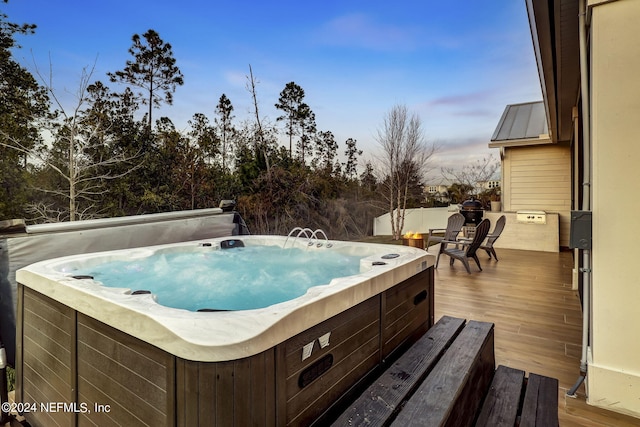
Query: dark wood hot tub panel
x,y
73,359
354,346
65,356
235,393
45,359
407,311
134,378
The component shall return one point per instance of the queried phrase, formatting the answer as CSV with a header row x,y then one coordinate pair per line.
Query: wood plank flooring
x,y
537,317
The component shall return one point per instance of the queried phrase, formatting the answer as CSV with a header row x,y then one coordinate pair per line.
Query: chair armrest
x,y
457,242
439,230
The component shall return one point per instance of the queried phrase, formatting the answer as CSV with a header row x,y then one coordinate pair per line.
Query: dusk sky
x,y
455,63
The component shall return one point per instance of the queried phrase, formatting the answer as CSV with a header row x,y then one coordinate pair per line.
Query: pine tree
x,y
224,110
290,102
23,102
153,70
352,153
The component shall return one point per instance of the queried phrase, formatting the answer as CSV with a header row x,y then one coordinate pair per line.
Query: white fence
x,y
418,220
516,235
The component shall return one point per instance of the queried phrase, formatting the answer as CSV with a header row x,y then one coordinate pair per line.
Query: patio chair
x,y
493,236
454,225
463,250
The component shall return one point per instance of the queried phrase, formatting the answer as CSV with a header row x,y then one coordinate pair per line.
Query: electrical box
x,y
580,234
531,217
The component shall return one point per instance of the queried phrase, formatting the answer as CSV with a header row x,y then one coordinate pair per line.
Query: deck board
x,y
537,317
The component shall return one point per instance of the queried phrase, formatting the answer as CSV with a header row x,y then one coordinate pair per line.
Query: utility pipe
x,y
586,192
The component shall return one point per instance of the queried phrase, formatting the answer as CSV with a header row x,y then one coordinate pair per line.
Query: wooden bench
x,y
448,378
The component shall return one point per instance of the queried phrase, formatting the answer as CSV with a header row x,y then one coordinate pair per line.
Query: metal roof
x,y
522,121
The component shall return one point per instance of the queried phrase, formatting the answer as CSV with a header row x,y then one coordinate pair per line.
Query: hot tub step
x,y
384,396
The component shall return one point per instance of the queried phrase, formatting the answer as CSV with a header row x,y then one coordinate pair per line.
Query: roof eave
x,y
541,140
554,33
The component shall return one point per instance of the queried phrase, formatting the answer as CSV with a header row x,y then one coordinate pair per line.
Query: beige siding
x,y
539,178
614,371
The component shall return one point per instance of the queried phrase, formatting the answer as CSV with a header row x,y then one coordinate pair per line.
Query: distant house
x,y
536,169
437,190
489,185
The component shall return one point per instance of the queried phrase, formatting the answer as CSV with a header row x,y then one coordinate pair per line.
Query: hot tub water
x,y
241,278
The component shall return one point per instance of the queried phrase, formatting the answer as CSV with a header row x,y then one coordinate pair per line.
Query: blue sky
x,y
455,63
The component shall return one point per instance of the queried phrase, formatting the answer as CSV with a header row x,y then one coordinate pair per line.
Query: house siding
x,y
614,371
539,178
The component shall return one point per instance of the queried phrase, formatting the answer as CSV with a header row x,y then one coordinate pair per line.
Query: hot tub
x,y
112,356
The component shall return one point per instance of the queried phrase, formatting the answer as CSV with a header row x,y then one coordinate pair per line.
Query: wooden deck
x,y
537,317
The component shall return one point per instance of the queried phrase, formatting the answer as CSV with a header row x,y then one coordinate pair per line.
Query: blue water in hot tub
x,y
231,279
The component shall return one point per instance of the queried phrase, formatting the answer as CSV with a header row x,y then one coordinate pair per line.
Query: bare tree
x,y
76,154
405,156
473,175
262,143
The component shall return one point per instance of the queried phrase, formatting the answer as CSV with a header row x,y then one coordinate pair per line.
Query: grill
x,y
472,212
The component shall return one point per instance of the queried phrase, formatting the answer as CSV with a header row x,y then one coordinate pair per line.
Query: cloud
x,y
236,78
361,31
474,109
457,145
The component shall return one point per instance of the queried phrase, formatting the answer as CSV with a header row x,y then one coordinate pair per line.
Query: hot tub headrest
x,y
231,243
